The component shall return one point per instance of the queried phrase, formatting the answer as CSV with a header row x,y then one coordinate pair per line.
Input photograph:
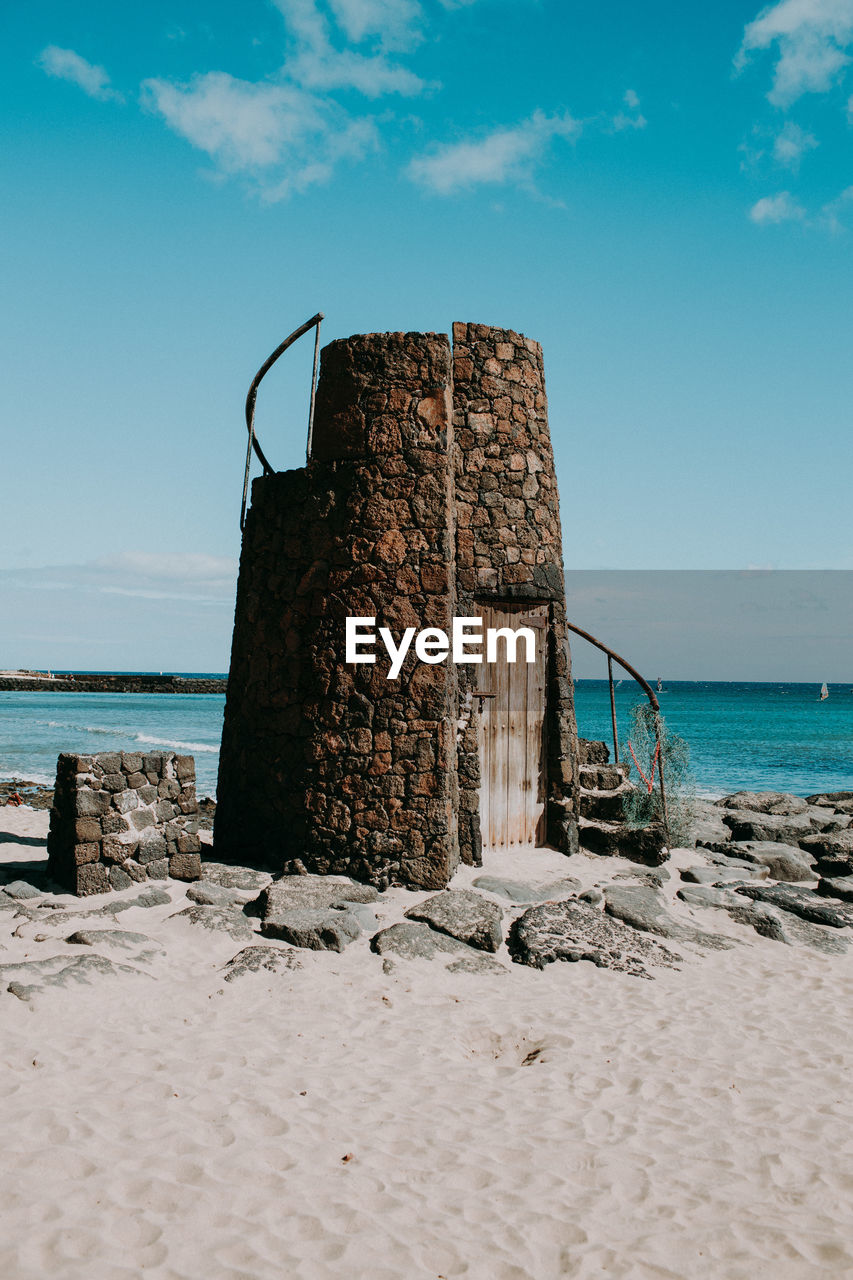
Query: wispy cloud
x,y
317,64
779,208
65,64
831,216
146,575
632,117
504,155
810,39
791,144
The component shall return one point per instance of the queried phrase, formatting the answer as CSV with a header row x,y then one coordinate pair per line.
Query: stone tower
x,y
430,494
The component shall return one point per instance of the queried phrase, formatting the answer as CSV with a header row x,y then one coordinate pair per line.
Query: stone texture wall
x,y
509,542
330,766
329,763
123,817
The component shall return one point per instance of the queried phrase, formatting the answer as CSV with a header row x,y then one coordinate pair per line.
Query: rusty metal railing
x,y
253,444
613,656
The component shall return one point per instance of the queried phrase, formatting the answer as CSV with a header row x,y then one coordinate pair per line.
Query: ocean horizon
x,y
753,735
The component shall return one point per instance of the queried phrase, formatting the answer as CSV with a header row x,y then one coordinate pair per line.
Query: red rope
x,y
650,782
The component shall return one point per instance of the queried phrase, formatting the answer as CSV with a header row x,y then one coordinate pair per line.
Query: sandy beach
x,y
349,1117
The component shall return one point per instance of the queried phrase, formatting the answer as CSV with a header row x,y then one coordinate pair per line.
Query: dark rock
x,y
476,964
707,825
800,902
745,825
207,894
253,959
644,844
219,919
716,875
830,844
516,891
231,877
158,869
594,897
185,866
783,861
116,939
119,879
573,930
30,977
464,915
91,879
414,941
21,889
150,898
643,907
316,928
780,803
841,888
314,892
831,798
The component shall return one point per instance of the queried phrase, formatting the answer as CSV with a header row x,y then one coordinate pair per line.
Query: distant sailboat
x,y
824,693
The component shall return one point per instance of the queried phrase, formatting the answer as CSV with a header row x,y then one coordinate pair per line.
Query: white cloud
x,y
65,64
318,65
779,208
506,155
831,213
635,120
791,144
811,38
150,576
396,22
240,124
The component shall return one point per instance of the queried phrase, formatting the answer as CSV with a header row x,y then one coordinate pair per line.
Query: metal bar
x,y
632,671
613,710
250,406
655,705
313,393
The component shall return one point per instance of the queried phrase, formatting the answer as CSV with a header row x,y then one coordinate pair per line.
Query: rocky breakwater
x,y
108,682
123,817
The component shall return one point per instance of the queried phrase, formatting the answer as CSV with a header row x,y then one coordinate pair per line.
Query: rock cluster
x,y
123,817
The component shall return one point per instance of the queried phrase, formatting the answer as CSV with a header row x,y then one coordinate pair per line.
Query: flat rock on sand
x,y
234,877
316,928
218,919
464,915
839,887
573,930
30,977
255,959
768,921
783,861
800,902
206,893
116,940
298,892
518,892
642,907
412,940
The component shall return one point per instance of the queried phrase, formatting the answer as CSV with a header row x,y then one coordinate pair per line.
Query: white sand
x,y
694,1126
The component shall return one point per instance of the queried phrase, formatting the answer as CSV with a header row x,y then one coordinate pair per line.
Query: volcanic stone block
x,y
90,845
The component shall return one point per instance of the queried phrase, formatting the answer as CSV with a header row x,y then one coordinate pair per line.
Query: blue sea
x,y
776,737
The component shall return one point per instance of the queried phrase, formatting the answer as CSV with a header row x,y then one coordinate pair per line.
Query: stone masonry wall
x,y
509,541
329,764
123,817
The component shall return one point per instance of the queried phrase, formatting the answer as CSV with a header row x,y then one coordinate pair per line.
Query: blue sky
x,y
662,194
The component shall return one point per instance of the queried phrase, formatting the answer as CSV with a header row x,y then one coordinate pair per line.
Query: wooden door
x,y
512,782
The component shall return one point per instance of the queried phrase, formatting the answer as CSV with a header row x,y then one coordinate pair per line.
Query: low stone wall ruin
x,y
123,817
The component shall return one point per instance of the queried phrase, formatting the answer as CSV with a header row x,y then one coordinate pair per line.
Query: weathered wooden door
x,y
512,785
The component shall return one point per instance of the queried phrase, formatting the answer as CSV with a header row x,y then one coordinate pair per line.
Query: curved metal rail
x,y
253,395
613,656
